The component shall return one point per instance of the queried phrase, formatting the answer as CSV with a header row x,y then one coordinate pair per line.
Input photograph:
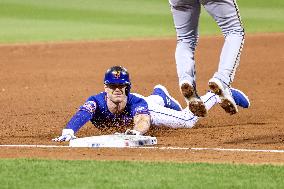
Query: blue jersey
x,y
95,110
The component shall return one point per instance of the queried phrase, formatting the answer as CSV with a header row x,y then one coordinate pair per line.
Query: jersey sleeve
x,y
78,120
141,109
89,106
139,106
83,115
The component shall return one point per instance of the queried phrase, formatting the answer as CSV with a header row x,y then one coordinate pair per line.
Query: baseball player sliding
x,y
116,107
186,17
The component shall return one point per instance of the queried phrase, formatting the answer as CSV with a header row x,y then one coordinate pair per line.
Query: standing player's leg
x,y
226,14
186,16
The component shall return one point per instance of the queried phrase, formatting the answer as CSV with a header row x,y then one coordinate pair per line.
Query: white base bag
x,y
118,140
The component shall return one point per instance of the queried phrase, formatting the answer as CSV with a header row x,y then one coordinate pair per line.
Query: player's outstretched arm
x,y
141,124
76,122
82,116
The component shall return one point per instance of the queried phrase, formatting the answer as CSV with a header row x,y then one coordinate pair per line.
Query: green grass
x,y
22,173
39,20
257,16
31,20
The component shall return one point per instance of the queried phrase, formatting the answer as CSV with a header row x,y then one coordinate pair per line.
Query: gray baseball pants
x,y
186,17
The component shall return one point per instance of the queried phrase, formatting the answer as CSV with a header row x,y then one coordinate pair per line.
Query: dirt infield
x,y
42,85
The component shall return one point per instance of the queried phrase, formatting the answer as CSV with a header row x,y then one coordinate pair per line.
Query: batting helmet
x,y
118,75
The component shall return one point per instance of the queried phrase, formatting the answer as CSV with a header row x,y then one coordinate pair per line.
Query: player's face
x,y
116,92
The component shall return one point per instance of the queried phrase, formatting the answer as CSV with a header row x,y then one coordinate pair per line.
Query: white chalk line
x,y
33,146
154,147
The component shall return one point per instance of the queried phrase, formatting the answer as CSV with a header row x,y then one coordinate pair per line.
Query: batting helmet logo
x,y
116,74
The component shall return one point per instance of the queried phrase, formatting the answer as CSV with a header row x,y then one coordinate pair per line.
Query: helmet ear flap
x,y
127,89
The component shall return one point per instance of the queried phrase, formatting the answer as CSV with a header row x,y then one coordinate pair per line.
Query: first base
x,y
115,141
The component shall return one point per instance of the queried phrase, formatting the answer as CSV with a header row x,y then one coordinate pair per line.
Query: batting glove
x,y
132,132
67,135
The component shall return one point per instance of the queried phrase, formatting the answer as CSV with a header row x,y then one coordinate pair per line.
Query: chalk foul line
x,y
153,147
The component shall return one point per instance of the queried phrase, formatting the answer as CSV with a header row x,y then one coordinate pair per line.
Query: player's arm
x,y
141,123
82,116
141,118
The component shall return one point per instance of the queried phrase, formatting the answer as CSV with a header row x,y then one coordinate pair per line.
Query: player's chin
x,y
118,98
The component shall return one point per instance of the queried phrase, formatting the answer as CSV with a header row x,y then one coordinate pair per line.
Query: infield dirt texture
x,y
42,85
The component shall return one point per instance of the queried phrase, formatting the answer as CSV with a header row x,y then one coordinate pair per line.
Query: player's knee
x,y
238,31
175,2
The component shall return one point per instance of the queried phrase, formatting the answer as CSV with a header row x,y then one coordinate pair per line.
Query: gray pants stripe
x,y
237,61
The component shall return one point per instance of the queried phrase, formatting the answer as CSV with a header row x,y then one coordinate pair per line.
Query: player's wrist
x,y
68,132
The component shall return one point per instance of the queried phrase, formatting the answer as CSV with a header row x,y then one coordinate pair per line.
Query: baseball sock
x,y
210,99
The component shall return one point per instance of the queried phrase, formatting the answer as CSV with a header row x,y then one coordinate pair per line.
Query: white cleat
x,y
227,101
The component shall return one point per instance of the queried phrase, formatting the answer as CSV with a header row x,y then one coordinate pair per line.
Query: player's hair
x,y
118,75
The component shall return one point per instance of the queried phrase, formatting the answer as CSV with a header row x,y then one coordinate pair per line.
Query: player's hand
x,y
132,132
67,135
